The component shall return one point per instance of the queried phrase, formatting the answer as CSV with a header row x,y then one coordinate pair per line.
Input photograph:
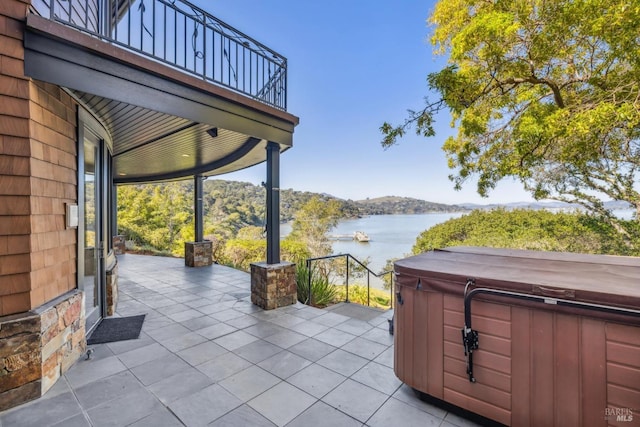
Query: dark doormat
x,y
117,329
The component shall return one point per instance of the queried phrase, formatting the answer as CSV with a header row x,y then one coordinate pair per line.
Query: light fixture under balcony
x,y
213,132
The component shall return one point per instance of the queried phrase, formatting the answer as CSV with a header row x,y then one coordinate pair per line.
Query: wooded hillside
x,y
160,216
392,205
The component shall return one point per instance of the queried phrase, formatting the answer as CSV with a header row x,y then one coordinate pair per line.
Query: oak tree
x,y
546,91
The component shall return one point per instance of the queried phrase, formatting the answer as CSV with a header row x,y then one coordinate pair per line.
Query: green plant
x,y
358,294
533,230
146,249
544,92
302,277
323,293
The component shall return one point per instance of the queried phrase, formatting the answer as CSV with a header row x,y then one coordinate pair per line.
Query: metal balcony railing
x,y
178,33
358,265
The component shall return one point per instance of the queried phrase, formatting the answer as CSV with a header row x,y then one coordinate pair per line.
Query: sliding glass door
x,y
93,231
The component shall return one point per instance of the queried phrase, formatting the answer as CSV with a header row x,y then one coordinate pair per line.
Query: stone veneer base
x,y
273,285
112,289
38,346
119,246
198,254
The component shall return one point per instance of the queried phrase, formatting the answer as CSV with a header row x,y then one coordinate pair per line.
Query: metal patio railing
x,y
180,34
361,265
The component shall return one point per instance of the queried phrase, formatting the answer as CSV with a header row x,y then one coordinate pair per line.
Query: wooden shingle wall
x,y
15,151
38,175
53,184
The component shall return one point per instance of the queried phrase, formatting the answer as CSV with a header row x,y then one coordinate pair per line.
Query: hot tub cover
x,y
602,279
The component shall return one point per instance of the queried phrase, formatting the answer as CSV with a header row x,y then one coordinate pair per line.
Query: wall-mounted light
x,y
213,132
71,215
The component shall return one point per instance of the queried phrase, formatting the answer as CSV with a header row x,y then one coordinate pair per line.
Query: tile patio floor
x,y
207,356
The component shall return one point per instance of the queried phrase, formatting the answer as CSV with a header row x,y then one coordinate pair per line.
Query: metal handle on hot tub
x,y
470,336
470,340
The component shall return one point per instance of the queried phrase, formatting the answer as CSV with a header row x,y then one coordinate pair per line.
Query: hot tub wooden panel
x,y
435,344
623,368
536,364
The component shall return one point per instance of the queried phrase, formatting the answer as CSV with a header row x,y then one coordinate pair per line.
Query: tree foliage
x,y
527,229
160,216
248,247
546,91
312,223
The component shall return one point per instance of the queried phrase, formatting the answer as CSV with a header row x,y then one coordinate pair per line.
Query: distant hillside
x,y
612,205
222,198
391,205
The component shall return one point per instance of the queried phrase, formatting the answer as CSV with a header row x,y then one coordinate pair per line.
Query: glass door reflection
x,y
92,279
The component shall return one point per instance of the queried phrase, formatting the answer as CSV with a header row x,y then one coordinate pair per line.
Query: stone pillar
x,y
198,254
118,245
273,285
112,289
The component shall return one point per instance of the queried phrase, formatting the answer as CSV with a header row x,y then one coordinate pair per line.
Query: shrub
x,y
529,229
358,294
323,293
240,253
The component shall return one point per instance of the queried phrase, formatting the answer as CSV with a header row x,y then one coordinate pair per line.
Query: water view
x,y
391,236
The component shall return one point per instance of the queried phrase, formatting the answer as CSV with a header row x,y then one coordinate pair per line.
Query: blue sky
x,y
352,65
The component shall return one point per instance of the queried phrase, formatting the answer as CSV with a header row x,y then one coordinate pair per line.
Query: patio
x,y
207,356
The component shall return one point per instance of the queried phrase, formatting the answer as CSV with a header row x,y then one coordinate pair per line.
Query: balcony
x,y
180,92
183,36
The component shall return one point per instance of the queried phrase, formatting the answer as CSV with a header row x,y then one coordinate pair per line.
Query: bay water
x,y
391,236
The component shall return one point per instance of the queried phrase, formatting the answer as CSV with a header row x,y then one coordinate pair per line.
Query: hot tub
x,y
523,338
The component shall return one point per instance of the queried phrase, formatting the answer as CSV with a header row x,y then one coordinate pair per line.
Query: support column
x,y
114,202
199,210
117,242
273,284
273,203
199,252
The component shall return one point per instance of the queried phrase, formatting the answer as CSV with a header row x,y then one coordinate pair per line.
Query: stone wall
x,y
273,285
20,359
37,347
